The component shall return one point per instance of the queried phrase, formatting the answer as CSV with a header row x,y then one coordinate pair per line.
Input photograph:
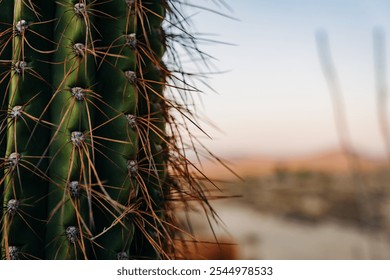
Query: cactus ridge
x,y
93,109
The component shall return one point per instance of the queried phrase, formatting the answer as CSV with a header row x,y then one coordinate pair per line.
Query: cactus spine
x,y
87,138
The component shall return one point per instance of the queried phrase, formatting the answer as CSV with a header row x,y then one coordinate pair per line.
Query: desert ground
x,y
326,206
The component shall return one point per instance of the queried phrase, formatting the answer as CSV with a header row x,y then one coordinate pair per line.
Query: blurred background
x,y
299,112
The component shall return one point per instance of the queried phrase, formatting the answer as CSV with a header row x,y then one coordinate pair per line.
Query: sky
x,y
272,98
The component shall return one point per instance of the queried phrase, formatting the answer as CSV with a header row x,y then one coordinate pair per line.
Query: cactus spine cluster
x,y
91,158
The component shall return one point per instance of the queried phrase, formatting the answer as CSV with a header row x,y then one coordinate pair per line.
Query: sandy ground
x,y
260,236
303,208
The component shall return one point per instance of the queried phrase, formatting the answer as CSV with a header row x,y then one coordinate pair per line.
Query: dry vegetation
x,y
318,196
316,189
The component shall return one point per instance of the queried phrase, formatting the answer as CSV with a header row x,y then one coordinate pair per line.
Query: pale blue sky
x,y
274,99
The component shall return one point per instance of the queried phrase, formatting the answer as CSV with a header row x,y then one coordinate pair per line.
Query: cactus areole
x,y
91,155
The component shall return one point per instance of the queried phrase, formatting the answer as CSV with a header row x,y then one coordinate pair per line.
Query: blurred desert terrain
x,y
330,205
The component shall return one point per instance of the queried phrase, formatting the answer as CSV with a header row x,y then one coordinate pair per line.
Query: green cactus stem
x,y
93,161
25,186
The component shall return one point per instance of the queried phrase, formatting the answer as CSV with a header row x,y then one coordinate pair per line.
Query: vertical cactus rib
x,y
117,83
151,110
70,221
6,20
25,185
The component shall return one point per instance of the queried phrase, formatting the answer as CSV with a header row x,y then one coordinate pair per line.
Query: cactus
x,y
93,159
